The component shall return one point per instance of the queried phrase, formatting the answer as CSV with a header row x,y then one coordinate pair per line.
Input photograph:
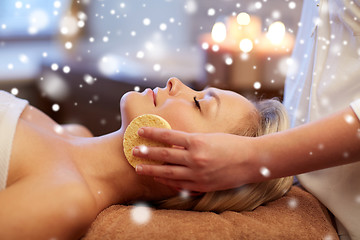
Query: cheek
x,y
182,118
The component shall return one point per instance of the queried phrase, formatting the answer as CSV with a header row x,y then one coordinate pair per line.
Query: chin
x,y
131,106
126,108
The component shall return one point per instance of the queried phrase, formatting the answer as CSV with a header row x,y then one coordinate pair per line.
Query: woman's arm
x,y
329,142
211,162
46,197
31,209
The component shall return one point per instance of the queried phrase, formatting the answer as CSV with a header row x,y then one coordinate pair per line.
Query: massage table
x,y
297,215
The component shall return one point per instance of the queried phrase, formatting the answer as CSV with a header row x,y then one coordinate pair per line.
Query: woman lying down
x,y
54,179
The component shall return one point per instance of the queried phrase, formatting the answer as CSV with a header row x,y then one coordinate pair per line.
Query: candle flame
x,y
218,32
276,33
246,45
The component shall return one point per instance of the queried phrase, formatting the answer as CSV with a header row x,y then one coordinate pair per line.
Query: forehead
x,y
229,97
233,109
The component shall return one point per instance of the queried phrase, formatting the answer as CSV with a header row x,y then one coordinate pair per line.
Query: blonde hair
x,y
270,116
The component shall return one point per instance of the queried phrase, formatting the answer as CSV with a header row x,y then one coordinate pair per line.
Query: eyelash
x,y
197,104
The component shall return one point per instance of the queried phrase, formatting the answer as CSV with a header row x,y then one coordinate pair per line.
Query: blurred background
x,y
75,59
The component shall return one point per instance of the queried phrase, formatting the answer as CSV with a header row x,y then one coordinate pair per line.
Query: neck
x,y
110,178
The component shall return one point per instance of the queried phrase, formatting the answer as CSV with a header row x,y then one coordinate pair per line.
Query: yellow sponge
x,y
132,139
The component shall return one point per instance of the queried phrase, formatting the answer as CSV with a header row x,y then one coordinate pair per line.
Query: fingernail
x,y
138,168
141,131
135,150
144,149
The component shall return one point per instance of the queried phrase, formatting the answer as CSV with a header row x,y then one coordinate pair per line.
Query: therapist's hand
x,y
199,162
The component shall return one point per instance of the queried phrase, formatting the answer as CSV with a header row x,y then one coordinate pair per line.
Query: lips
x,y
152,94
154,97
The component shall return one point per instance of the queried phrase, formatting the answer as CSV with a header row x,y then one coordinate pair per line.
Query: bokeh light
x,y
265,171
243,19
218,32
141,213
246,45
276,33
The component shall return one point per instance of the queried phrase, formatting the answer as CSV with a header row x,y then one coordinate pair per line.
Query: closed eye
x,y
197,104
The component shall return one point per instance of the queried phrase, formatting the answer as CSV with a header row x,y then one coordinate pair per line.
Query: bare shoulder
x,y
40,120
77,130
37,140
45,207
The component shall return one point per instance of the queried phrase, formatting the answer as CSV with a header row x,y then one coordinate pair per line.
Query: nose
x,y
175,86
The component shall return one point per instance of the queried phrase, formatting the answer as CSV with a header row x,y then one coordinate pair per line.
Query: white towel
x,y
10,111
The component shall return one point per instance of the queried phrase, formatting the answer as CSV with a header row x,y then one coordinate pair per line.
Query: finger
x,y
163,154
165,171
168,136
188,185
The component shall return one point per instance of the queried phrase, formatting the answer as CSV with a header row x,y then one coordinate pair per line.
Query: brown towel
x,y
298,215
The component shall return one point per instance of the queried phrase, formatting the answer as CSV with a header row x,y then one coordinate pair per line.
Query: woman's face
x,y
214,110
